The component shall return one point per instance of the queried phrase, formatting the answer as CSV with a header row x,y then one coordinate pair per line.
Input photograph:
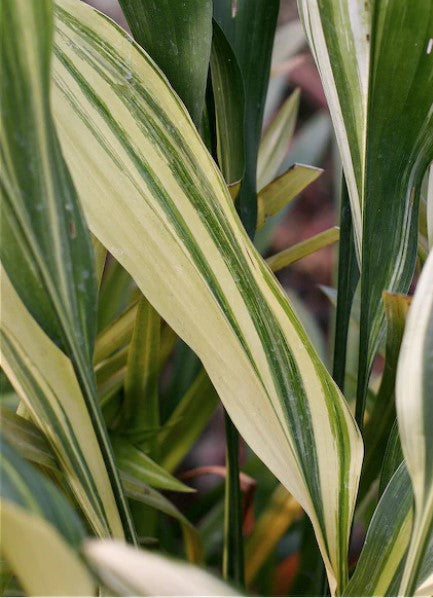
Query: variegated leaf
x,y
153,196
383,119
45,380
414,388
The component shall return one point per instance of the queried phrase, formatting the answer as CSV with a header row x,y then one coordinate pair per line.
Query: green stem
x,y
141,402
233,563
87,383
233,556
348,276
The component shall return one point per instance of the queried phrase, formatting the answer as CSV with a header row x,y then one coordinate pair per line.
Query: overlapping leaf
x,y
414,388
383,120
249,27
130,572
382,416
228,92
178,36
40,531
386,541
44,379
153,197
45,246
45,249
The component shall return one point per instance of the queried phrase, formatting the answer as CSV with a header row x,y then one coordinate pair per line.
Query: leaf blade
x,y
377,110
239,306
415,417
141,573
40,373
178,37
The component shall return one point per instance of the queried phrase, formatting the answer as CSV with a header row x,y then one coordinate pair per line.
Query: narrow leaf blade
x,y
415,418
178,36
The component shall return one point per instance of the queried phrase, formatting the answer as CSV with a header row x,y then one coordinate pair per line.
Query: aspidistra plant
x,y
95,142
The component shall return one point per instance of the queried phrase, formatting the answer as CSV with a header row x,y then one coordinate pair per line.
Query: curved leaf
x,y
249,26
165,214
383,120
382,416
228,91
42,561
386,541
139,491
40,531
178,36
26,439
46,248
24,486
415,418
131,572
135,462
44,379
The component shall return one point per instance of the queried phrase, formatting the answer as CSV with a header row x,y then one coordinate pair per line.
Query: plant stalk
x,y
233,559
348,276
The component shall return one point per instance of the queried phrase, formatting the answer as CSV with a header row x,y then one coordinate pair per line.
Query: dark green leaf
x,y
23,485
229,101
383,414
348,276
387,539
392,458
45,247
178,36
250,29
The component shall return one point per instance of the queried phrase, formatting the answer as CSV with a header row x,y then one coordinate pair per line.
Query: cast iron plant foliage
x,y
134,175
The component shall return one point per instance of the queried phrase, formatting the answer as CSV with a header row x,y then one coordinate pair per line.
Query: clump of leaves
x,y
134,177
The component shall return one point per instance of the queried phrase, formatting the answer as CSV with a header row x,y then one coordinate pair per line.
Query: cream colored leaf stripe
x,y
343,63
154,198
414,392
44,379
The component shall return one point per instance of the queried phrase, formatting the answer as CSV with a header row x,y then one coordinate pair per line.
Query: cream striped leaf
x,y
44,379
414,390
43,562
25,486
41,532
275,141
46,249
129,572
383,119
430,207
386,540
153,196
